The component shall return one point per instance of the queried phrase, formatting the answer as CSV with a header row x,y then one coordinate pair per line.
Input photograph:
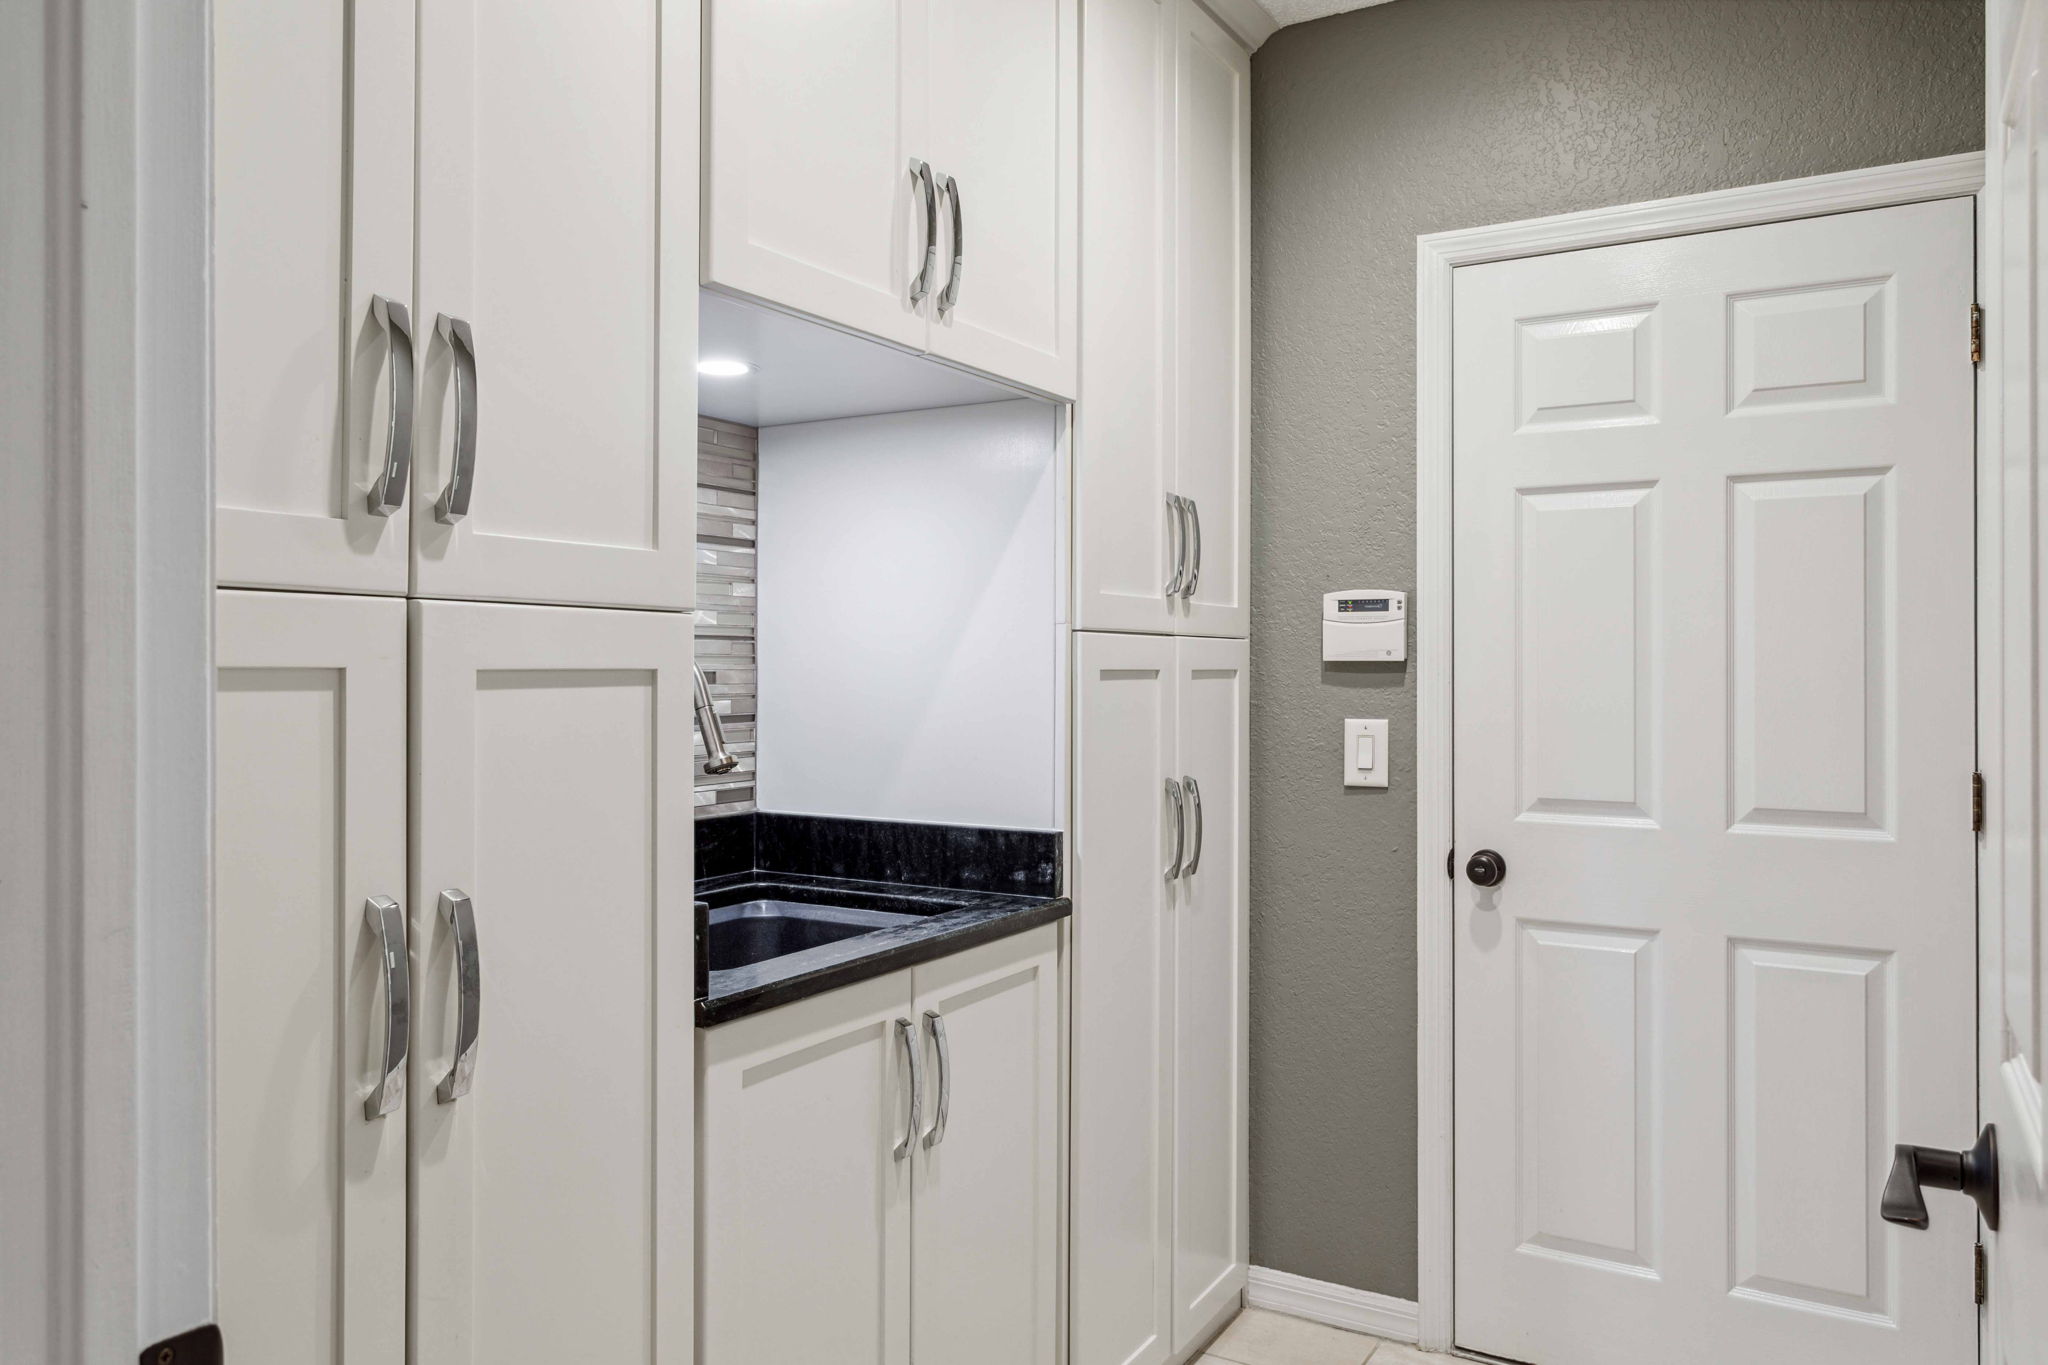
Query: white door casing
x,y
558,219
552,1203
313,213
2013,982
1121,1171
1713,524
1002,96
309,824
1211,985
812,203
984,1200
803,1109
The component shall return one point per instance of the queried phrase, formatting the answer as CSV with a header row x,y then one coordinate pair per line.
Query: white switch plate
x,y
1365,753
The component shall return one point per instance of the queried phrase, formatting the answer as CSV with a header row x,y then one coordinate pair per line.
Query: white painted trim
x,y
1356,1310
1247,20
1437,255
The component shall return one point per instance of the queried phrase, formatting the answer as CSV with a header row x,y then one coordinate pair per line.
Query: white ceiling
x,y
1296,11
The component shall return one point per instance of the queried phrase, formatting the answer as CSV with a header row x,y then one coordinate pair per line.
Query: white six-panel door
x,y
312,222
813,124
309,824
552,1203
805,1200
1002,82
1713,705
557,221
984,1202
1211,1231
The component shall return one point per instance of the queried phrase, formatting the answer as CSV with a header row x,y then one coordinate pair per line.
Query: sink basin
x,y
757,930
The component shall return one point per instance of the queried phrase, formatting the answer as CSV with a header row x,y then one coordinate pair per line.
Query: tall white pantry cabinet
x,y
1160,1240
455,310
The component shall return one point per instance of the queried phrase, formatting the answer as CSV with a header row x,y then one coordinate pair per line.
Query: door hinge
x,y
1976,803
1976,335
1982,1273
200,1346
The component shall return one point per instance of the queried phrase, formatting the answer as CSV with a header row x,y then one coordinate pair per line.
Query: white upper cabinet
x,y
813,124
905,169
1161,516
312,205
557,320
1003,87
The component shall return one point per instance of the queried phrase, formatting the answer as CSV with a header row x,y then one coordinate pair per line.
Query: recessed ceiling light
x,y
718,367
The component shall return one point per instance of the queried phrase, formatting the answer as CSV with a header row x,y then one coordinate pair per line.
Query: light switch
x,y
1365,753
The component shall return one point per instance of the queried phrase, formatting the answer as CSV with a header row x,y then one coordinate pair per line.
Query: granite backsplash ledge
x,y
1014,862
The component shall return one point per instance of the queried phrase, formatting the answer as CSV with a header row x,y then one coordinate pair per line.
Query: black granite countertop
x,y
947,921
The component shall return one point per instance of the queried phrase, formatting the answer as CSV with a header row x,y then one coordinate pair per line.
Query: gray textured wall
x,y
1369,128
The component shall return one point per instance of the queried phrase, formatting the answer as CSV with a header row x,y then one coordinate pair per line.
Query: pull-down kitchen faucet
x,y
717,758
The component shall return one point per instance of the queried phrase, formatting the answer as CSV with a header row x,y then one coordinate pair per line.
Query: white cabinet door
x,y
1003,82
1121,1143
312,221
309,823
557,319
1211,984
552,1201
1123,455
985,1183
1212,319
814,121
805,1233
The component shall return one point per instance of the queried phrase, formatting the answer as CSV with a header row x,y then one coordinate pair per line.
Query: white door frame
x,y
1436,256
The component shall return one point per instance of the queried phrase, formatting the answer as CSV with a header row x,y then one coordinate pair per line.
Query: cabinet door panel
x,y
813,124
1212,317
1211,1246
558,218
1124,422
1122,1154
985,1189
1003,88
552,1202
312,218
309,822
805,1239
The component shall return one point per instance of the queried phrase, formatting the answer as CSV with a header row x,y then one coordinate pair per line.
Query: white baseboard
x,y
1359,1310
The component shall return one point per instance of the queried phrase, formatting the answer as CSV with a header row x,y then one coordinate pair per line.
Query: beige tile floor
x,y
1259,1337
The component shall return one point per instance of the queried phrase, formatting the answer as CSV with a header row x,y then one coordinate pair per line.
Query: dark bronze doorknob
x,y
1974,1172
1486,868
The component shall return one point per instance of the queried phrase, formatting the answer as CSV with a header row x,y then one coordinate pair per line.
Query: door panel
x,y
309,823
1211,1236
1002,82
803,1109
1212,317
985,1188
1123,454
1122,1141
558,212
813,126
1713,565
312,219
552,1202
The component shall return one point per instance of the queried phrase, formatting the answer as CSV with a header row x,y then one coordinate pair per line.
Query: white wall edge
x,y
1247,20
1437,255
1356,1310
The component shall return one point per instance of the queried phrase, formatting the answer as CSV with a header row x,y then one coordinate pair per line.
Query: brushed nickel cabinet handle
x,y
1201,826
1180,828
383,918
906,1034
454,503
1195,554
951,296
921,171
936,1134
469,995
387,495
1177,536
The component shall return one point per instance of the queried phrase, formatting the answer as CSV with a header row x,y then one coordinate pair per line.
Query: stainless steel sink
x,y
757,930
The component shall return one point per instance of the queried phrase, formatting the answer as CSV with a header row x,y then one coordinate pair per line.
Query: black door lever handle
x,y
1914,1169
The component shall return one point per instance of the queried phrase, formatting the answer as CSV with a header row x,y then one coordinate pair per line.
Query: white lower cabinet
x,y
511,1183
1160,1241
878,1169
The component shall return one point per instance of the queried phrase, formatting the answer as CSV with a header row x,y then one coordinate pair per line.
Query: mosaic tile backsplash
x,y
728,464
